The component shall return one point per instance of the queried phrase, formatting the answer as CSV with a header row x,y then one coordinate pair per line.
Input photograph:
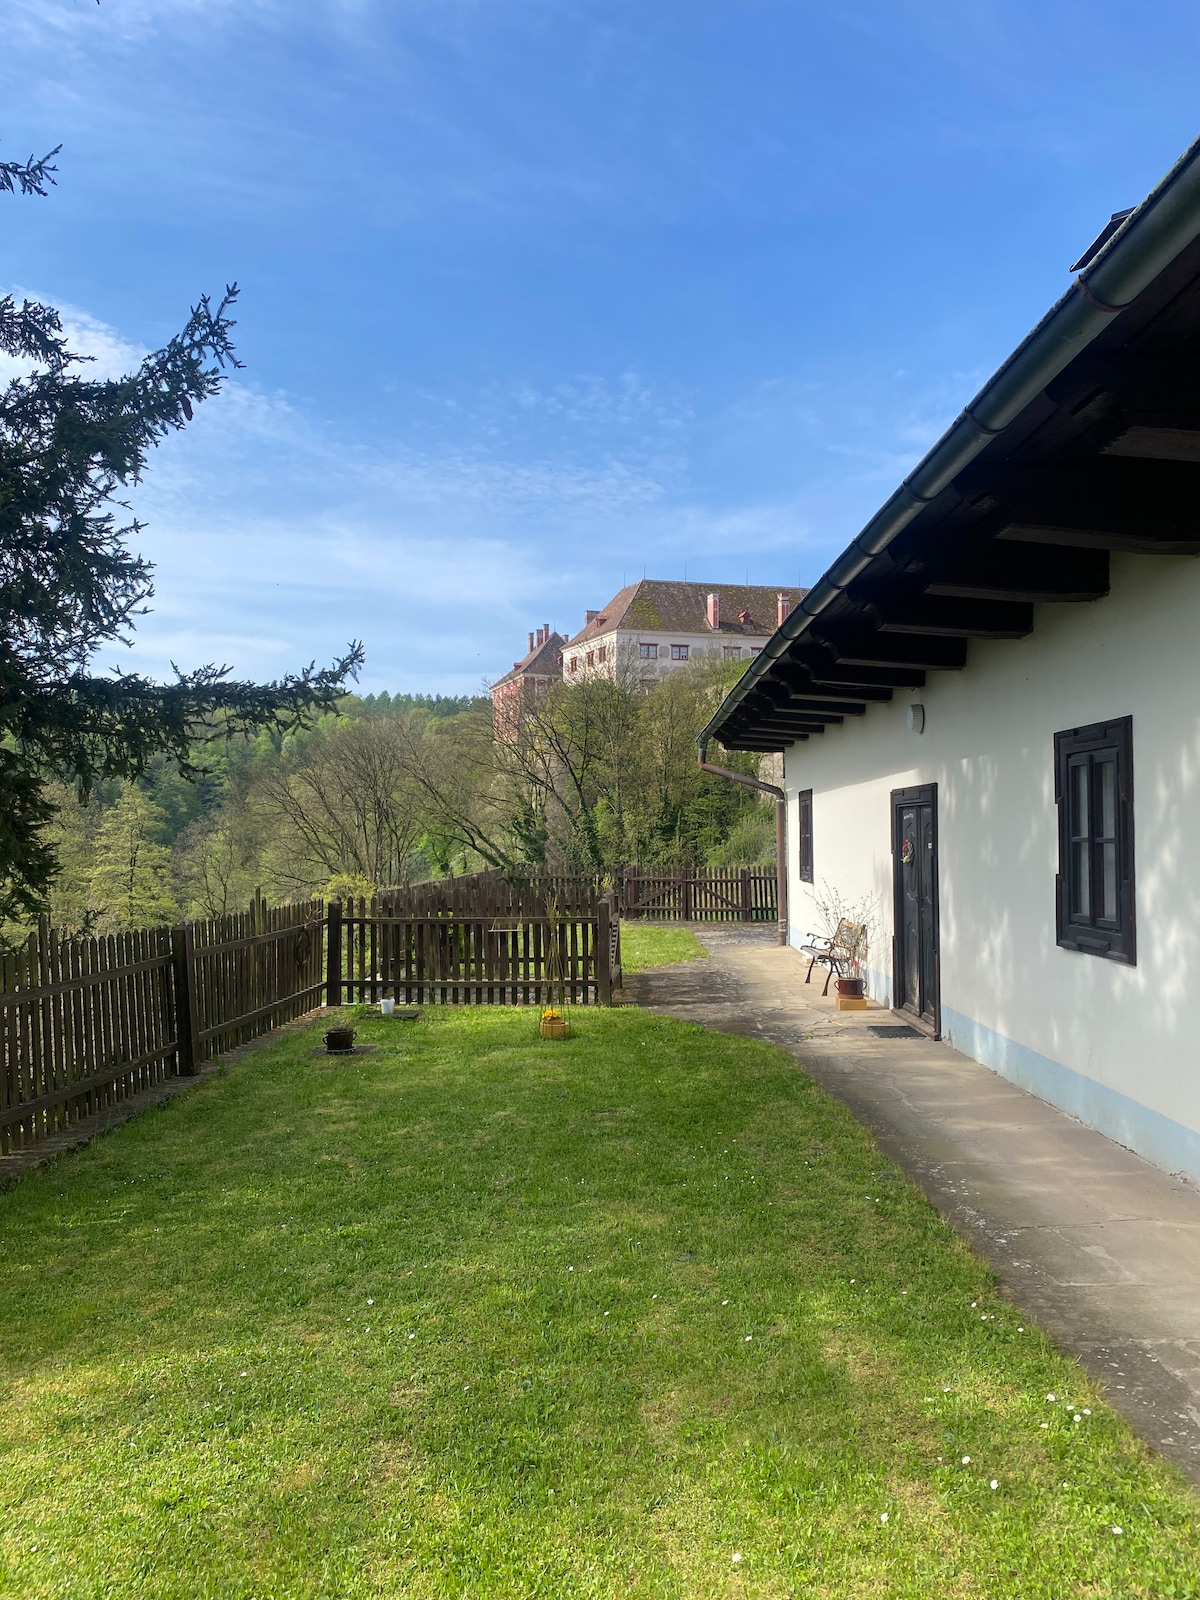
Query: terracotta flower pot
x,y
338,1040
852,988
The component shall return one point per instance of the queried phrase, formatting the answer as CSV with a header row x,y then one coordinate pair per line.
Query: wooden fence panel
x,y
447,959
689,894
699,894
85,1023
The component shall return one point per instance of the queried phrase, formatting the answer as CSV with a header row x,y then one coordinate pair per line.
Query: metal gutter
x,y
1149,239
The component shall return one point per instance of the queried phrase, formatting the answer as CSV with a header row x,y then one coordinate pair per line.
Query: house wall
x,y
1116,1046
623,656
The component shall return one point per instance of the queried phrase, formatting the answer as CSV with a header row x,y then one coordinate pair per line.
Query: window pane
x,y
1106,888
1106,797
1081,900
1079,800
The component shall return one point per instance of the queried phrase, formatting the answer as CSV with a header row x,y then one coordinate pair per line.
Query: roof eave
x,y
1150,238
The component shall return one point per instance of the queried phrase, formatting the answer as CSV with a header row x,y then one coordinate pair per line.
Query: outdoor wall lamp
x,y
915,719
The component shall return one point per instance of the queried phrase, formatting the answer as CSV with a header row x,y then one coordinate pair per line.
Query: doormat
x,y
899,1030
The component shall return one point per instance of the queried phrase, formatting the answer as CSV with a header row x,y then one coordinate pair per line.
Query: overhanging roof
x,y
1087,440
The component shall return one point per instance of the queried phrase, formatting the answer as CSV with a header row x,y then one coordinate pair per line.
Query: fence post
x,y
747,914
686,908
333,953
187,1017
604,986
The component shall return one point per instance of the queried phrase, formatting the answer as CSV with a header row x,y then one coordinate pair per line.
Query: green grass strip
x,y
640,1313
644,945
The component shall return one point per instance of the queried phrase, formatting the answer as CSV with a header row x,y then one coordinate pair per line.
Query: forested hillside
x,y
395,788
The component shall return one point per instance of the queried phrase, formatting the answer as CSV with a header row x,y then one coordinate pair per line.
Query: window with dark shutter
x,y
805,835
1093,787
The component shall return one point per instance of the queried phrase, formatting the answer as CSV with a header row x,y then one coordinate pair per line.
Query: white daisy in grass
x,y
995,1483
883,1516
966,1461
736,1557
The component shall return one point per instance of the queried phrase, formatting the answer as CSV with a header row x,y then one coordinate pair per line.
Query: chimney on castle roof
x,y
531,643
713,611
785,605
545,632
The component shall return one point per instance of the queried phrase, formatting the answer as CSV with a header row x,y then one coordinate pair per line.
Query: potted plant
x,y
554,1024
339,1041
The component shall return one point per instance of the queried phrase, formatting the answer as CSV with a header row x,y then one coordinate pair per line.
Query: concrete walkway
x,y
1098,1246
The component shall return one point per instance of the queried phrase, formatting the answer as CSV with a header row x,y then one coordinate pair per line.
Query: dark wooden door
x,y
914,849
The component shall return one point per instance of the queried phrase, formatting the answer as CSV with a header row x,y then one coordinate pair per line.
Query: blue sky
x,y
540,293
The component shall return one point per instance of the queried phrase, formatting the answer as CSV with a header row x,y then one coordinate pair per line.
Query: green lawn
x,y
641,1313
646,944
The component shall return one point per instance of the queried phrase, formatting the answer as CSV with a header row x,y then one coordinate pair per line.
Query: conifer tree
x,y
70,446
130,880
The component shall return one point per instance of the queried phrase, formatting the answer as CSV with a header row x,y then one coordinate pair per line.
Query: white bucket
x,y
387,1007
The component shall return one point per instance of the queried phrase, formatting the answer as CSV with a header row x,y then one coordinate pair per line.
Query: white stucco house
x,y
989,707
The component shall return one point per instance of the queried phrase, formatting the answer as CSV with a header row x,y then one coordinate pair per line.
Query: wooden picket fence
x,y
508,956
698,894
669,894
85,1023
492,893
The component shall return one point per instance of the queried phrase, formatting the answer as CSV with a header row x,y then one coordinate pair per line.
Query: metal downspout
x,y
781,887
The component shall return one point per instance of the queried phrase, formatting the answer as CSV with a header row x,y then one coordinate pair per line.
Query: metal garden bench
x,y
838,952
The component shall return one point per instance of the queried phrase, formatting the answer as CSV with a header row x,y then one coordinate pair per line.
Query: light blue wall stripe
x,y
1160,1139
